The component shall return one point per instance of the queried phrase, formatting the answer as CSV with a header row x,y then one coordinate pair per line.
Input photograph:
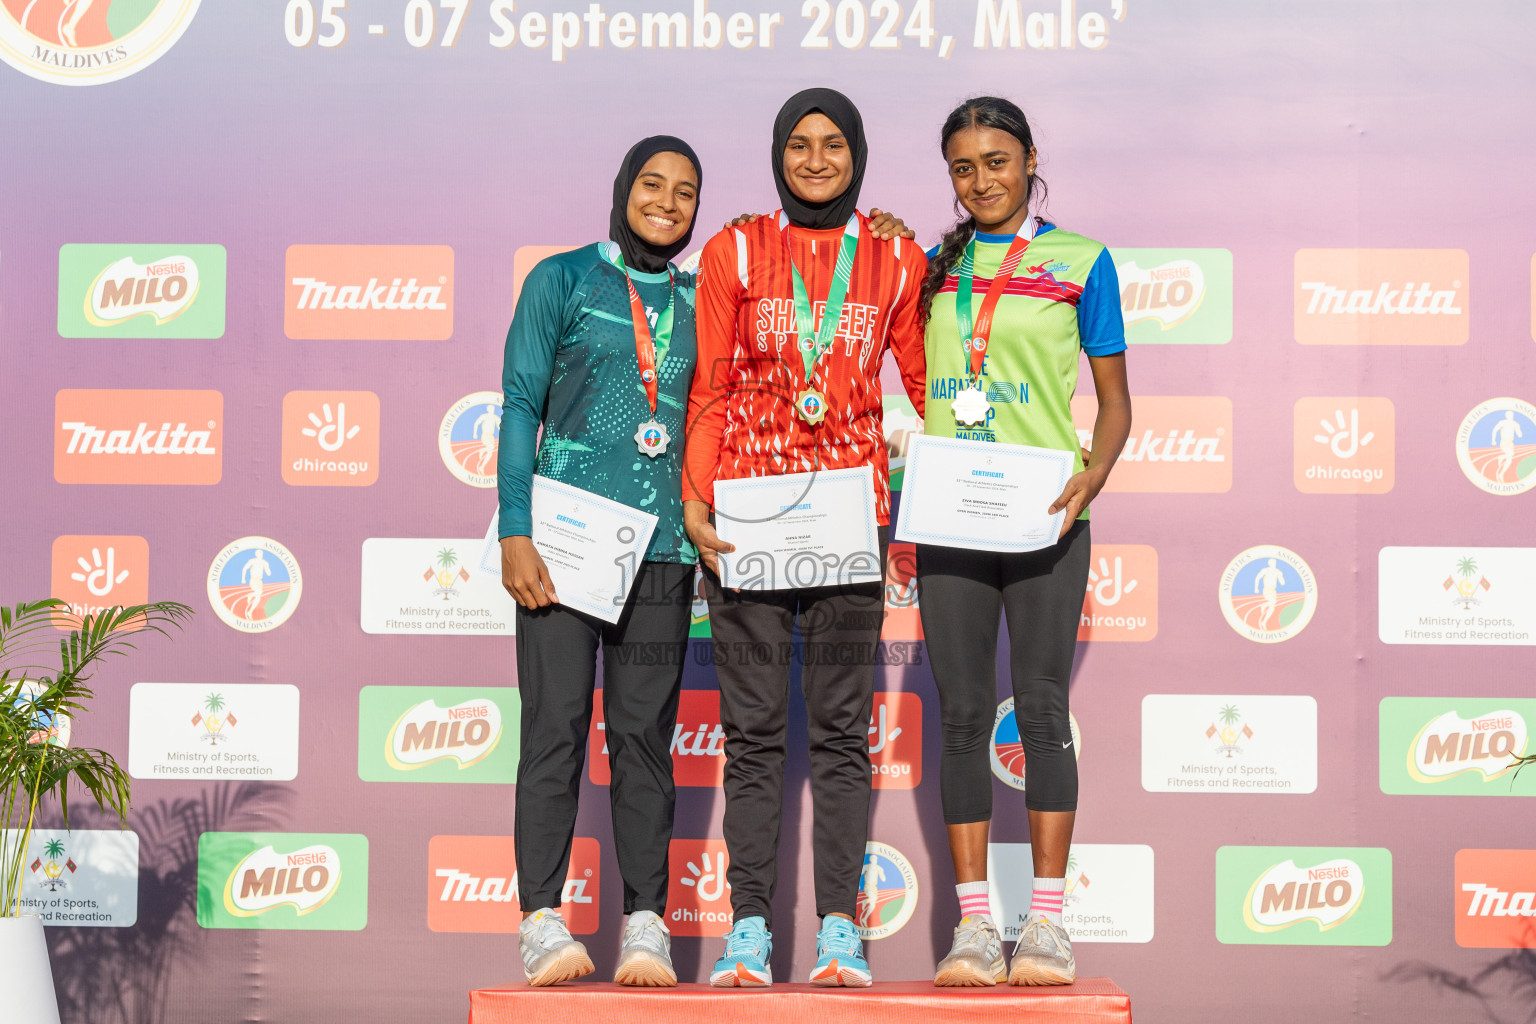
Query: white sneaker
x,y
975,958
1043,955
645,955
550,955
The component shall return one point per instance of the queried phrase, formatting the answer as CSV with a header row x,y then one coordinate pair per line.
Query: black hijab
x,y
833,213
638,253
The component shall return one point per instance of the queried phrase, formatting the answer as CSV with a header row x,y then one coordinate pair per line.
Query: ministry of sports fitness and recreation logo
x,y
468,437
446,575
89,42
254,584
1008,745
1496,446
282,880
53,867
214,720
1176,296
887,892
1268,594
1229,731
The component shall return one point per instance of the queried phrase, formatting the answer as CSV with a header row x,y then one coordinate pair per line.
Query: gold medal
x,y
811,405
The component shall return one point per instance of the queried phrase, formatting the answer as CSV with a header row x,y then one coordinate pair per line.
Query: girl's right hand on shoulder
x,y
525,575
702,532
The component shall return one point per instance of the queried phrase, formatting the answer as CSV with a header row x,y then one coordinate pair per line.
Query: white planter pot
x,y
25,976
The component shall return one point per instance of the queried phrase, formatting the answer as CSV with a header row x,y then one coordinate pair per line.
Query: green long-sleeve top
x,y
570,366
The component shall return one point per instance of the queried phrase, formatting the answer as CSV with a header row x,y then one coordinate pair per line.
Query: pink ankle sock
x,y
975,899
1049,895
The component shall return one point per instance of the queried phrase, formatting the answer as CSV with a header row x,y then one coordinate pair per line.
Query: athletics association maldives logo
x,y
1268,594
1496,446
254,584
887,892
51,727
1008,745
89,42
468,436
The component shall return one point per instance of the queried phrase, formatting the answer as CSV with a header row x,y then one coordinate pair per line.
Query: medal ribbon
x,y
647,343
813,343
974,338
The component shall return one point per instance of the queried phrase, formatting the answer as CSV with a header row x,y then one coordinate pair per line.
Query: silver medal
x,y
970,407
651,438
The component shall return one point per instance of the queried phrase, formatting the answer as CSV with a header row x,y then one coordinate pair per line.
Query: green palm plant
x,y
446,558
53,849
34,694
214,702
1229,714
1466,566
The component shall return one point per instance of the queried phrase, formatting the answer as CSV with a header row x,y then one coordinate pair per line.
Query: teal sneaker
x,y
840,955
748,945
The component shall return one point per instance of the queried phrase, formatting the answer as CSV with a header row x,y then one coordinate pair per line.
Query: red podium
x,y
1089,1001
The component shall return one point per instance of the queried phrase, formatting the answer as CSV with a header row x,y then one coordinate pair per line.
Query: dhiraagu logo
x,y
141,291
1456,746
437,734
1176,296
1304,896
312,882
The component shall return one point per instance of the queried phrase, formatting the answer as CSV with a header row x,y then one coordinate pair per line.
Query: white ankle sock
x,y
975,899
1049,895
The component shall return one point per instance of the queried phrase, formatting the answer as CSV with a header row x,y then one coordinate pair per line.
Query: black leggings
x,y
960,593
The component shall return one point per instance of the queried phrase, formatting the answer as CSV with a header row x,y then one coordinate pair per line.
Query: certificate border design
x,y
914,460
748,484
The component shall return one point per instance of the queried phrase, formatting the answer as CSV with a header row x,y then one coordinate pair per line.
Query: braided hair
x,y
978,112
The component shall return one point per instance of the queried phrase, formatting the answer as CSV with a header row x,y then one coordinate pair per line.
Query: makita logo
x,y
698,741
369,292
1488,901
266,879
1176,447
1185,444
1451,745
122,436
705,741
86,439
1382,296
1286,894
463,887
317,294
1169,293
1411,299
162,289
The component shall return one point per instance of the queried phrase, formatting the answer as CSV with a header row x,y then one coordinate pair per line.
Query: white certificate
x,y
592,546
981,494
799,530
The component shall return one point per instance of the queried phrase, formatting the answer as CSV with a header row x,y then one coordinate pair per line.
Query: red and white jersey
x,y
741,410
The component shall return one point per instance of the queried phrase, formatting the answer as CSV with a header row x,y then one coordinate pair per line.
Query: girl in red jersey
x,y
773,395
